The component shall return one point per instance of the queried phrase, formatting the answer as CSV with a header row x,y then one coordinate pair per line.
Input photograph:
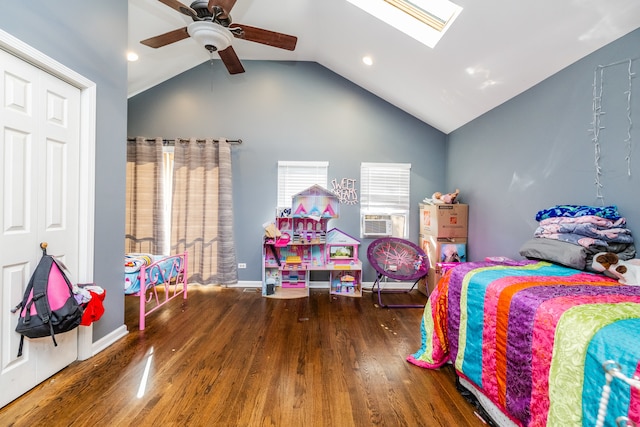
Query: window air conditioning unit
x,y
377,226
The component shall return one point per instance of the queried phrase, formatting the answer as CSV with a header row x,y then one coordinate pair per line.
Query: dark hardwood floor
x,y
229,357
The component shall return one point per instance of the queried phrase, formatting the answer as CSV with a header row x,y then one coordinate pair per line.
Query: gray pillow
x,y
555,251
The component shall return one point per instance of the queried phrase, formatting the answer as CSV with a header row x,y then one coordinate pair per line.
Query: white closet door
x,y
39,185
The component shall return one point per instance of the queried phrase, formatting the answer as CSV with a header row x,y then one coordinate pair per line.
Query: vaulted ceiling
x,y
495,49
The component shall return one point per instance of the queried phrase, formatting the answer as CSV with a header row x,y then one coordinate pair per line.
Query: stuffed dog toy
x,y
627,272
449,198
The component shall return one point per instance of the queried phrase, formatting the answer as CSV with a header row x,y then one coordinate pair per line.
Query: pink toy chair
x,y
397,259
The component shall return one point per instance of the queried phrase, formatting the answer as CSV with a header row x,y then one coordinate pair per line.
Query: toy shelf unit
x,y
295,276
304,244
345,267
346,283
286,269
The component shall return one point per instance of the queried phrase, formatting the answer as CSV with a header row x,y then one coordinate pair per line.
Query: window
x,y
167,176
435,14
424,20
384,199
294,177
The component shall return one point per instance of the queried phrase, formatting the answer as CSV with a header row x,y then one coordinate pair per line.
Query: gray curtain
x,y
202,210
144,227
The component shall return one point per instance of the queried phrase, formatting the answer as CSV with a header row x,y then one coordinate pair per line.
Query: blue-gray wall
x,y
289,111
528,154
91,39
535,151
532,152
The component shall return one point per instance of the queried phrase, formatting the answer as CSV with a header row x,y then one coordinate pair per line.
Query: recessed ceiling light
x,y
132,56
367,60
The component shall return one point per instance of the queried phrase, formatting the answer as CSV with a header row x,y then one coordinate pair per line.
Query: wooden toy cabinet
x,y
305,245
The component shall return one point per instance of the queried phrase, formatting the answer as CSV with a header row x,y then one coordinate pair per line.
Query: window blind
x,y
296,176
385,187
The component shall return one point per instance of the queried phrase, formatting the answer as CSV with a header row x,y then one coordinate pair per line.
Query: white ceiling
x,y
495,49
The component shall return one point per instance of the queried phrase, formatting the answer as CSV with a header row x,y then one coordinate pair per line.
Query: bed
x,y
532,341
146,273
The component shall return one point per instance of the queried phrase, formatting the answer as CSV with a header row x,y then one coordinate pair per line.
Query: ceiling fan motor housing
x,y
201,7
210,35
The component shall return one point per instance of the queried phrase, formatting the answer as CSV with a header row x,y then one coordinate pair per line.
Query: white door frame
x,y
87,162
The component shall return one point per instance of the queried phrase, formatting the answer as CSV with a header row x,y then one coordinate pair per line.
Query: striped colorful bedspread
x,y
532,337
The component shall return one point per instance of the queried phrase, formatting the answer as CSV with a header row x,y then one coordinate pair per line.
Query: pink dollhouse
x,y
315,201
305,245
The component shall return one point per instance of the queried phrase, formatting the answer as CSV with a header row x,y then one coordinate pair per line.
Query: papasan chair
x,y
397,259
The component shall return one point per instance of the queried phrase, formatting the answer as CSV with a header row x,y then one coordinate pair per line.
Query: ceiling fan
x,y
212,27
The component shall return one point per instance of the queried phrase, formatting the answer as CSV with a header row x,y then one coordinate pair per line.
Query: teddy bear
x,y
448,198
627,272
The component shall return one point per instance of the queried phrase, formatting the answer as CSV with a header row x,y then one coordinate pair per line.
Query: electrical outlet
x,y
242,265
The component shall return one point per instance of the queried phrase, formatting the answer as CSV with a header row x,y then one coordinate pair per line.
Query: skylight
x,y
424,20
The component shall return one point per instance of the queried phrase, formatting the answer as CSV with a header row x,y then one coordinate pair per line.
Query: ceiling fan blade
x,y
231,60
226,6
271,38
166,38
180,7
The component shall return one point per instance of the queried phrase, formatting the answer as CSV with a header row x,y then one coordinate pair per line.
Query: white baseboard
x,y
109,339
316,284
246,284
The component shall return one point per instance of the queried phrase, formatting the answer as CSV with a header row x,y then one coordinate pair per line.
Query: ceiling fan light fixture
x,y
212,30
210,34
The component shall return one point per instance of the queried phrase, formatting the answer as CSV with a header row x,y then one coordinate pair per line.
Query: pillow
x,y
555,251
133,262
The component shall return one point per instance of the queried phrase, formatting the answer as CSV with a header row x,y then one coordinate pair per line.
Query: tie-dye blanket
x,y
532,337
158,269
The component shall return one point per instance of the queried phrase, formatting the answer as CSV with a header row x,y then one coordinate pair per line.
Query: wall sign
x,y
345,190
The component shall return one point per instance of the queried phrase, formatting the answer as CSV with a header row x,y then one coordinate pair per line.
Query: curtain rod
x,y
172,141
